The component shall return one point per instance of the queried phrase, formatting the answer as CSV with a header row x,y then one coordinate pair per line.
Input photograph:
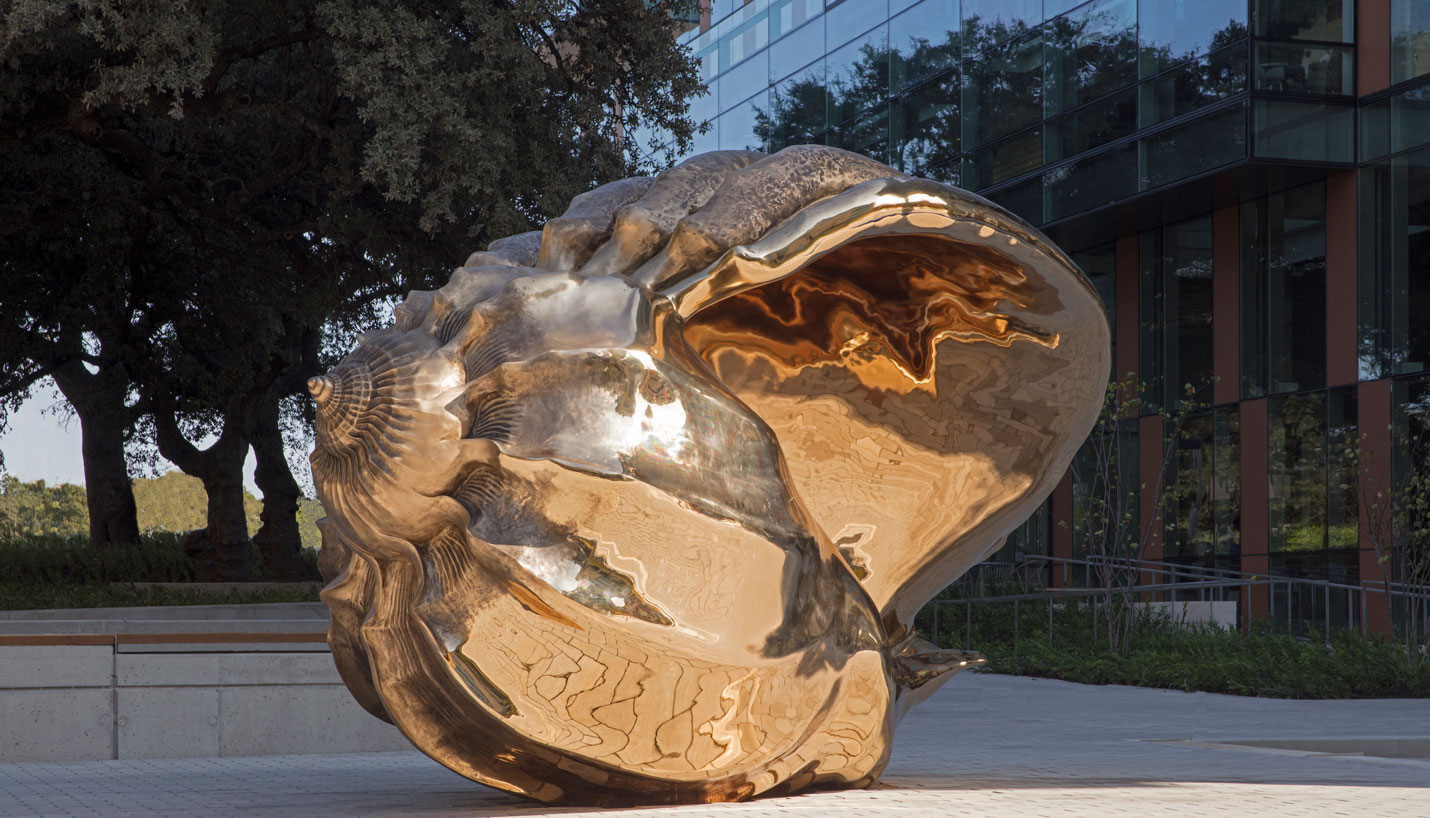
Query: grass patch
x,y
56,571
17,596
1164,655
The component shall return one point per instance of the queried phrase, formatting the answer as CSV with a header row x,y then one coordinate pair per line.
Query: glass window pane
x,y
1410,119
1091,182
1409,39
705,108
1297,472
1191,521
1173,31
1253,299
1342,504
1089,53
869,134
1226,483
1374,130
1099,264
1091,126
1296,288
796,51
989,22
923,42
1408,219
1304,69
746,40
925,126
1003,92
738,126
1024,199
720,9
709,63
706,142
998,163
1395,266
1284,291
1176,312
1151,319
949,174
851,18
796,110
788,15
1307,131
1195,85
1117,480
1187,275
1410,432
738,83
739,17
858,75
1327,20
1372,270
1201,145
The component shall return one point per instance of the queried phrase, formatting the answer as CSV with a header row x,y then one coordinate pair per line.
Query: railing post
x,y
1050,621
968,624
1326,634
1363,632
1094,621
1015,626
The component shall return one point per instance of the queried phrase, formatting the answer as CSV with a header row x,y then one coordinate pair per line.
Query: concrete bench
x,y
176,683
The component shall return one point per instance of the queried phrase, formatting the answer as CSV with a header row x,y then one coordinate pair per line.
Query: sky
x,y
42,442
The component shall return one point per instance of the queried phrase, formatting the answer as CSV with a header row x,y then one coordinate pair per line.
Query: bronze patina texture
x,y
640,508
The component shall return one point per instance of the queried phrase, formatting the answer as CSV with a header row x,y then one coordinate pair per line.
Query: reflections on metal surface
x,y
642,511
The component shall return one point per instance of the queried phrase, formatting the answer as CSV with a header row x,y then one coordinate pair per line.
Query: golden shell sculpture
x,y
639,508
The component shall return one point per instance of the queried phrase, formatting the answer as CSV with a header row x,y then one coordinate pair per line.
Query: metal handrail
x,y
1162,568
1190,578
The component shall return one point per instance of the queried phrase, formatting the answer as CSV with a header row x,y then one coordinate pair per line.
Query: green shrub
x,y
1164,655
24,596
55,571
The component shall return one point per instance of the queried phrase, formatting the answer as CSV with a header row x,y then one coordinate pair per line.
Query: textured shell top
x,y
639,508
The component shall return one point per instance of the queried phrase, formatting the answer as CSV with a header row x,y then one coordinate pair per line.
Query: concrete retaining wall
x,y
204,688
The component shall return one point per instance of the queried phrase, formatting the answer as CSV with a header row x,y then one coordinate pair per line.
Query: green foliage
x,y
201,203
1198,657
68,560
173,502
176,502
37,509
59,560
47,556
309,513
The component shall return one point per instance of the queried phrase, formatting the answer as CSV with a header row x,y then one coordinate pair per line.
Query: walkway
x,y
984,746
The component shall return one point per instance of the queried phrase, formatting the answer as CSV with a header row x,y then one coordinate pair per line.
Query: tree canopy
x,y
200,203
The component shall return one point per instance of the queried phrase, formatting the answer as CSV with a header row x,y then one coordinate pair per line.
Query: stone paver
x,y
984,745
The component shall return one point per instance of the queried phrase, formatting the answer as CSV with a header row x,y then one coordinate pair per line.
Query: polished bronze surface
x,y
640,509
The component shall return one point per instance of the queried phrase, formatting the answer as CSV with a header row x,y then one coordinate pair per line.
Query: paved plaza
x,y
984,745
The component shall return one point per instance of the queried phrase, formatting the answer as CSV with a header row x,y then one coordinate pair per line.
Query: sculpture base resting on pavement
x,y
639,508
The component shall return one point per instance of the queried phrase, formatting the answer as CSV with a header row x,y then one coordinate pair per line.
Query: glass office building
x,y
1247,182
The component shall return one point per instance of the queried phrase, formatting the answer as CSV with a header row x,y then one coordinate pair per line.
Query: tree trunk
x,y
279,542
98,401
223,545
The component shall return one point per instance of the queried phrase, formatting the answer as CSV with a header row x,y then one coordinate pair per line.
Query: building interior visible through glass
x,y
640,508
